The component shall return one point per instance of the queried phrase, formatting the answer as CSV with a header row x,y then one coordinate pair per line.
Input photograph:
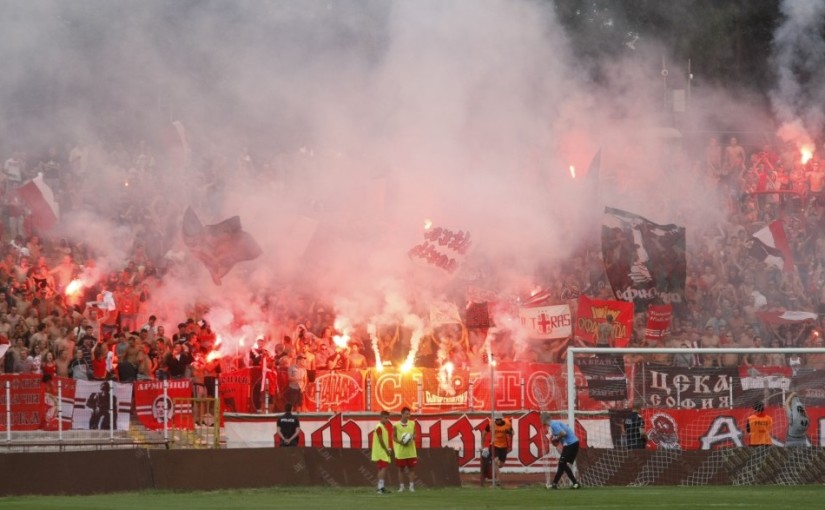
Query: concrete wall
x,y
104,471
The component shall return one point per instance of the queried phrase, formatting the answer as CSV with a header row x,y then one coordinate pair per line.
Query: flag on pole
x,y
218,246
444,312
39,198
770,245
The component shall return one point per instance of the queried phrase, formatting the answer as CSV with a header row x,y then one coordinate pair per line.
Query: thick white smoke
x,y
334,129
799,57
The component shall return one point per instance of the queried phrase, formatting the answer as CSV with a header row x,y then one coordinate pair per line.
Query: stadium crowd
x,y
55,330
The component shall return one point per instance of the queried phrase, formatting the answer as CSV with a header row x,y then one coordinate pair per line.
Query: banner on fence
x,y
710,429
335,391
152,406
58,402
27,401
460,431
101,405
691,388
605,376
236,390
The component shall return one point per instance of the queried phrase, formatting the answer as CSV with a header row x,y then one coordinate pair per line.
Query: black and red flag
x,y
218,246
646,263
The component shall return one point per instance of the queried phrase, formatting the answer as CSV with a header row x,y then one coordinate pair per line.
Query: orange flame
x,y
449,368
341,340
212,356
74,287
572,171
806,153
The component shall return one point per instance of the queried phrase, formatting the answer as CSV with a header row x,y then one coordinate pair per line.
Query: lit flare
x,y
806,152
74,287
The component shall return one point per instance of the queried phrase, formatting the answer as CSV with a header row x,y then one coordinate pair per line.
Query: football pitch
x,y
589,498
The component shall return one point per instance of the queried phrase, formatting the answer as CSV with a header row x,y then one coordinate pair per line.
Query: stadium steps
x,y
39,440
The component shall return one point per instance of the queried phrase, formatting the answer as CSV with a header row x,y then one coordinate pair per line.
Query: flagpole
x,y
111,411
165,411
60,411
492,414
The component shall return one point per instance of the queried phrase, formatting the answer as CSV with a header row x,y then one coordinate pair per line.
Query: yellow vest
x,y
404,451
378,453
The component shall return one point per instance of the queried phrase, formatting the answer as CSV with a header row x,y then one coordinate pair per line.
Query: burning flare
x,y
343,325
372,331
806,153
428,224
572,171
74,287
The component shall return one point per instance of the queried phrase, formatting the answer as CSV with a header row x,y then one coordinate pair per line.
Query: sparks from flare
x,y
343,325
372,331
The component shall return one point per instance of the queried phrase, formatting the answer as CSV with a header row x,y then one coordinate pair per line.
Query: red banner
x,y
518,386
710,429
441,248
236,390
593,312
58,399
27,401
391,389
151,406
444,390
658,322
336,391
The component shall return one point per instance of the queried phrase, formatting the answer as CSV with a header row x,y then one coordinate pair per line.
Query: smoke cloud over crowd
x,y
334,129
799,53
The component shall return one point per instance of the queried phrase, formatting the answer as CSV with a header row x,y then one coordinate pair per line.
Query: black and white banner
x,y
93,401
645,263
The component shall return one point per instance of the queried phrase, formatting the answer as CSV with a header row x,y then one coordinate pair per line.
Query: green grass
x,y
635,498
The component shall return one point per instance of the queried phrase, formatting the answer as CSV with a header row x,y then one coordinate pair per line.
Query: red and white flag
x,y
770,245
39,198
444,312
659,318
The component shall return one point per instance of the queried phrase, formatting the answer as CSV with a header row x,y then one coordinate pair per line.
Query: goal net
x,y
679,416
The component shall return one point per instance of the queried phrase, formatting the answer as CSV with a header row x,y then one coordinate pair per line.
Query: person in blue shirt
x,y
560,432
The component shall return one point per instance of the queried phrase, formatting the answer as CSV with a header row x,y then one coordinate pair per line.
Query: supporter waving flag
x,y
770,245
645,262
39,198
218,246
